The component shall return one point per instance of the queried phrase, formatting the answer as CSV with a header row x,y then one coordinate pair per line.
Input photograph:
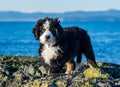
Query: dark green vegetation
x,y
23,71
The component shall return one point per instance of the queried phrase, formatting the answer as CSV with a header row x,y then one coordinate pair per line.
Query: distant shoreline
x,y
108,15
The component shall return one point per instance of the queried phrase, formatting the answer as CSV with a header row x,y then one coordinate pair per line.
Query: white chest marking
x,y
49,52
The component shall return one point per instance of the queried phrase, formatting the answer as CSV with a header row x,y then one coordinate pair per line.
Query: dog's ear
x,y
36,29
59,29
59,32
36,33
40,21
56,20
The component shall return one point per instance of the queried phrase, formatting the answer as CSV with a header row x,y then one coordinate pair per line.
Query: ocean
x,y
16,38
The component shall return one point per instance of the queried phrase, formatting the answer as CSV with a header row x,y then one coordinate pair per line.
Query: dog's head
x,y
48,30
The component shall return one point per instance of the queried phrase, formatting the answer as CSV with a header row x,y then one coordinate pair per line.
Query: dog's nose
x,y
47,36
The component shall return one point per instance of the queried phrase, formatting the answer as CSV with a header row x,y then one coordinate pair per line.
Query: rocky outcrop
x,y
21,71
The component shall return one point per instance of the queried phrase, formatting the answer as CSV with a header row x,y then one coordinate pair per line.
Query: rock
x,y
36,83
31,70
45,85
2,83
60,84
1,76
18,76
38,74
42,69
87,84
24,71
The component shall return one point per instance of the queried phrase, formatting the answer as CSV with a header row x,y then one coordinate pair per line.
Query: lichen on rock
x,y
24,71
96,73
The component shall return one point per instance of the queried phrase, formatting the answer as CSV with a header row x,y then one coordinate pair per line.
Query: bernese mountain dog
x,y
59,46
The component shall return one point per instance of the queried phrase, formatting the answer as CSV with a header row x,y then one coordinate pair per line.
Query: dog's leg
x,y
91,63
70,66
87,50
91,59
78,61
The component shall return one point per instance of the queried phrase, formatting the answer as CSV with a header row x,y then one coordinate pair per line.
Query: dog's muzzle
x,y
47,37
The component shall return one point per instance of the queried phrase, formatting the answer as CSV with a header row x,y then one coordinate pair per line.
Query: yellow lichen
x,y
36,83
1,76
100,64
18,76
44,85
60,84
87,84
105,75
95,73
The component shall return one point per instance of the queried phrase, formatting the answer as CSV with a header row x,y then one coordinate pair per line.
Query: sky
x,y
58,6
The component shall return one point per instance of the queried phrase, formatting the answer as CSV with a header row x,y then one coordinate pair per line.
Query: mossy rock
x,y
60,84
18,76
36,83
45,85
96,73
1,76
25,71
87,84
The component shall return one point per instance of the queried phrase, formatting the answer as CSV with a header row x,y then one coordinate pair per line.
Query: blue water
x,y
16,39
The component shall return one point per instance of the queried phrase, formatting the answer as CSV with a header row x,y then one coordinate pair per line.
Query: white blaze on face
x,y
47,32
46,25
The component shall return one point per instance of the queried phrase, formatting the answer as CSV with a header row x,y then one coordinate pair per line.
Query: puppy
x,y
59,46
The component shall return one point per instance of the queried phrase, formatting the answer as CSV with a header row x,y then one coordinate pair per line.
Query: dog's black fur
x,y
73,41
